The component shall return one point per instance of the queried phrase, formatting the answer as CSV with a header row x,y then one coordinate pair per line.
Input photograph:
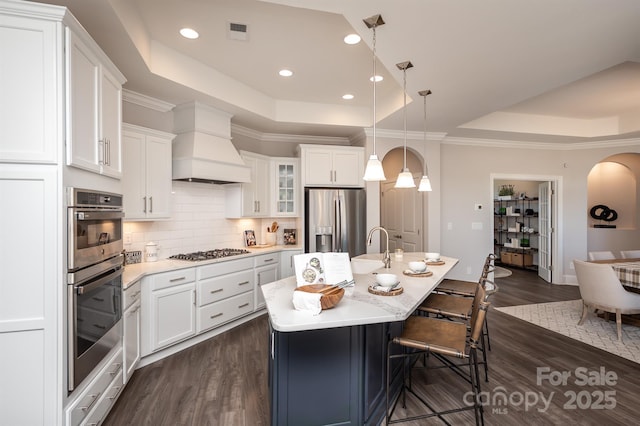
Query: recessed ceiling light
x,y
377,77
285,73
189,33
352,39
347,96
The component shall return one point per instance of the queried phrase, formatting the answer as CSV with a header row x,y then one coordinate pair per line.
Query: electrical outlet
x,y
468,270
127,238
571,266
449,226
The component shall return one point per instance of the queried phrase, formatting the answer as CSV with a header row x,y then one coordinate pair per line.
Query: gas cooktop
x,y
209,254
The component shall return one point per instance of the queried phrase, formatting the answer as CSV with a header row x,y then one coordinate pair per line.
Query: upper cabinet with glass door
x,y
286,186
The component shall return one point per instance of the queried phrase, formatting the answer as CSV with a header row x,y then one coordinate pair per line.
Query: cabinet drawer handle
x,y
216,315
144,204
177,279
100,326
114,372
95,398
117,389
244,305
268,260
217,290
98,299
150,204
243,283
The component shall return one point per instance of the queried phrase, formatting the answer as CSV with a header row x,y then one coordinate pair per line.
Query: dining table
x,y
628,271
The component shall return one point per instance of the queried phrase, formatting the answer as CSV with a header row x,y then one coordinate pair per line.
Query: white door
x,y
545,225
402,217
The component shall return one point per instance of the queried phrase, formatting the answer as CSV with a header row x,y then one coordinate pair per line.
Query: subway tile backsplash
x,y
198,223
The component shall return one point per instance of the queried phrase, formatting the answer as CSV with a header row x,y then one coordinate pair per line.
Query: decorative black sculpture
x,y
602,212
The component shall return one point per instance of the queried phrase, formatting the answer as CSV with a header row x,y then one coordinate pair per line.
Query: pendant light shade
x,y
405,178
374,171
425,183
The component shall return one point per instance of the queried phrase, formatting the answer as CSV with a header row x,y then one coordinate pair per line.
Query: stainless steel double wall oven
x,y
94,278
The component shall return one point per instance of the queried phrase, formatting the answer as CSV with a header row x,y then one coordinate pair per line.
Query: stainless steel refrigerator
x,y
335,220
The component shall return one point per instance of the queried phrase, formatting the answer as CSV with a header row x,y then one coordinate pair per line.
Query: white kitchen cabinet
x,y
225,292
29,127
251,199
339,166
93,403
169,312
286,187
266,271
94,107
131,329
146,172
286,263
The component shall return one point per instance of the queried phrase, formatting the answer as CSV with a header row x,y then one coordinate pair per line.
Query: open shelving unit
x,y
515,231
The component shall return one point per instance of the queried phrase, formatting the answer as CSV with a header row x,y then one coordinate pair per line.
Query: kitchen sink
x,y
365,266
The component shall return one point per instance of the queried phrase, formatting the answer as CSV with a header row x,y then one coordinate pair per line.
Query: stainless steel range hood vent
x,y
202,151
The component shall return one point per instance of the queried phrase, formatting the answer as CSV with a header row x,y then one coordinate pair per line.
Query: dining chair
x,y
630,254
447,341
600,288
601,255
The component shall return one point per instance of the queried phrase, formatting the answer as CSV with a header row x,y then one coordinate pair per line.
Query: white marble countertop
x,y
358,306
137,271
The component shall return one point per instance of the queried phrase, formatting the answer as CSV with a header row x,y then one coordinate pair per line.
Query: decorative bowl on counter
x,y
432,256
331,294
387,280
417,266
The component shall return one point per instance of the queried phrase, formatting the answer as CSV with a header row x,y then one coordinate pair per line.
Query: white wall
x,y
466,170
198,223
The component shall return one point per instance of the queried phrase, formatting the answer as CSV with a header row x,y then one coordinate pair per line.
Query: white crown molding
x,y
399,134
146,101
281,137
562,146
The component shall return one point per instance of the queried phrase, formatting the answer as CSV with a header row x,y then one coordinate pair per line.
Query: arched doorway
x,y
402,210
612,185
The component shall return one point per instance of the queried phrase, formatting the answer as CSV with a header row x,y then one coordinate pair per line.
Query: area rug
x,y
501,272
563,317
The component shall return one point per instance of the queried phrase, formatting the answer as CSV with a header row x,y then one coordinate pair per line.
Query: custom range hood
x,y
202,150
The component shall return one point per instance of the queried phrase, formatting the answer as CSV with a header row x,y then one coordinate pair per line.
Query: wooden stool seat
x,y
457,287
448,306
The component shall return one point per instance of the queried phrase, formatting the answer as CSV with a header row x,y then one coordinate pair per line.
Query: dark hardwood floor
x,y
223,381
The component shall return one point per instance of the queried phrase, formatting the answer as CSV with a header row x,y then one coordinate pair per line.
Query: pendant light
x,y
405,178
425,184
374,171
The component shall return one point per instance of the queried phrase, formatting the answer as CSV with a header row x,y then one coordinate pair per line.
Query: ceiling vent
x,y
237,31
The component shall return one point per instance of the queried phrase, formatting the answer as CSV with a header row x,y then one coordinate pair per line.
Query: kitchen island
x,y
330,368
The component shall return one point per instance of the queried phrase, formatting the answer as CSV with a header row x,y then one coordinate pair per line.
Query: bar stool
x,y
460,308
466,288
444,340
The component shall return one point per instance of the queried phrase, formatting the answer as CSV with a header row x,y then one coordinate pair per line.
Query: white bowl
x,y
418,266
386,280
432,256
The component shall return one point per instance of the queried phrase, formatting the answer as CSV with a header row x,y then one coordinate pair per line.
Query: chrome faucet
x,y
386,257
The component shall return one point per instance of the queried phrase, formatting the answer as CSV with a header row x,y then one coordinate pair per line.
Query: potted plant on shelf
x,y
506,192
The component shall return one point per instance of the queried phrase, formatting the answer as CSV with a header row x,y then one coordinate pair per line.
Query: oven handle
x,y
97,215
82,288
